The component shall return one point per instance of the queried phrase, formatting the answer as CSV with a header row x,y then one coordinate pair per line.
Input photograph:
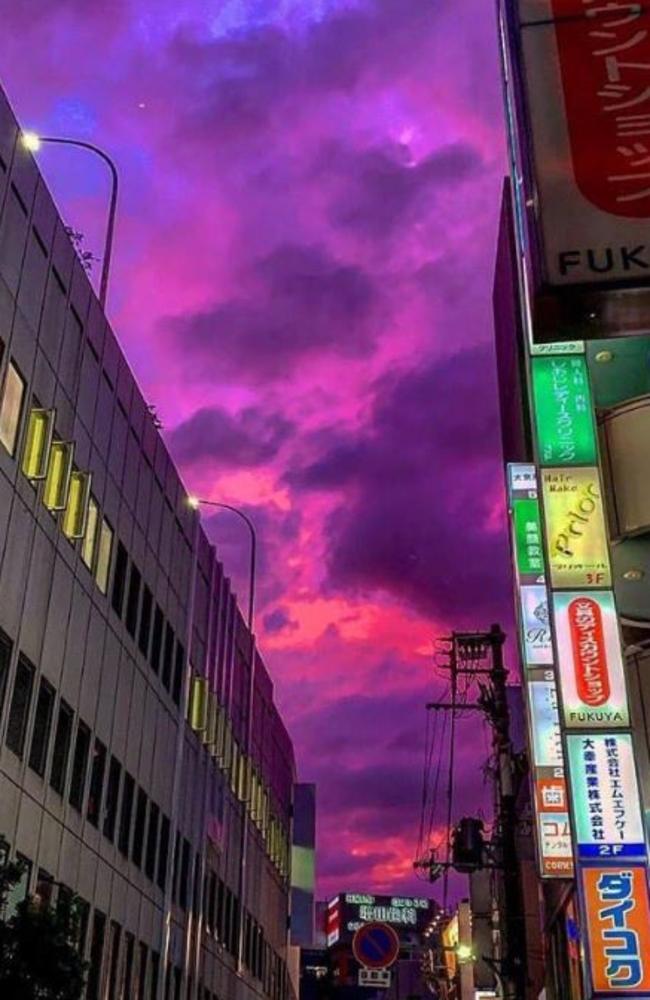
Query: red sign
x,y
589,651
618,929
604,50
375,945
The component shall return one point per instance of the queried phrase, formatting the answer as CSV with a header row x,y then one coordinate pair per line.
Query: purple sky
x,y
304,255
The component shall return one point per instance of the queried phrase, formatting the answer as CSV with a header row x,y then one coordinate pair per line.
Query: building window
x,y
61,752
179,670
11,408
128,794
75,516
163,852
90,536
152,841
119,579
145,621
59,470
38,438
104,556
79,766
96,783
44,888
112,796
185,874
168,656
19,891
96,956
133,601
176,867
127,978
113,963
138,832
42,728
156,641
5,660
142,971
19,710
155,975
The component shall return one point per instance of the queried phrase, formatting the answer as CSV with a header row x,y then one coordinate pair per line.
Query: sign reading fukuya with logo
x,y
535,625
563,411
618,929
586,64
590,664
605,796
575,528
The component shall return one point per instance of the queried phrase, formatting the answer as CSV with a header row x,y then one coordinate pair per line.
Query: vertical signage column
x,y
610,850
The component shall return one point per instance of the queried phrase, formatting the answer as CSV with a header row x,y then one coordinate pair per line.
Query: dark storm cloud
x,y
299,301
420,486
279,620
246,440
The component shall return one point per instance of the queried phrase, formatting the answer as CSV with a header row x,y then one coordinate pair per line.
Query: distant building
x,y
128,772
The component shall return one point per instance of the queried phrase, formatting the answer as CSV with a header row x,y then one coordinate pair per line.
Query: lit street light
x,y
32,142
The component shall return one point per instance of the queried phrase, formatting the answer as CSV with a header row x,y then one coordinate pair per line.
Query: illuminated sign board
x,y
545,724
575,528
535,625
618,929
589,108
522,481
605,796
349,911
528,539
563,411
561,347
590,661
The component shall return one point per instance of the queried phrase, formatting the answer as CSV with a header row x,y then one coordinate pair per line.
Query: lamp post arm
x,y
253,553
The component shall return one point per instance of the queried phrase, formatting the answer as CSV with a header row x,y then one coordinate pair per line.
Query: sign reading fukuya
x,y
535,625
618,929
590,663
563,411
605,796
586,67
575,528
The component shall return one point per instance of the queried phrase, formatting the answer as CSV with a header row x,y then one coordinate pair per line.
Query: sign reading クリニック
x,y
605,796
590,663
575,528
618,929
586,68
563,411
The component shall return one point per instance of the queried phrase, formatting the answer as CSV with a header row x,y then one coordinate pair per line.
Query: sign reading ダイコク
x,y
587,69
618,929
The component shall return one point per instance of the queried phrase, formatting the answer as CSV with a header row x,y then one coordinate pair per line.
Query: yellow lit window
x,y
199,704
76,513
104,556
90,534
11,408
234,769
57,481
37,443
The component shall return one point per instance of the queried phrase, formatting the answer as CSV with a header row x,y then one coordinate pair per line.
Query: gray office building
x,y
143,764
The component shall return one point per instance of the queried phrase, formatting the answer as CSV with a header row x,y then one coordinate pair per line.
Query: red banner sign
x,y
589,651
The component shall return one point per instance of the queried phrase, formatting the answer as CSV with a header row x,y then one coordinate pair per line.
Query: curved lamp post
x,y
33,142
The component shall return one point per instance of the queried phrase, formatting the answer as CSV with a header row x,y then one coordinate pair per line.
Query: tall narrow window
x,y
20,890
42,727
5,660
168,656
89,542
127,978
142,970
163,852
112,796
157,639
96,956
138,832
185,874
155,975
133,601
128,793
145,621
75,515
96,783
19,710
11,408
57,480
113,962
61,750
104,552
179,670
79,766
152,841
38,438
119,579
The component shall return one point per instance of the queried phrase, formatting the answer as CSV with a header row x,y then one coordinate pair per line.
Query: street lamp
x,y
32,141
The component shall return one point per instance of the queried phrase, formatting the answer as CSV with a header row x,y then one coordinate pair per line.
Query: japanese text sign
x,y
590,664
545,724
587,69
618,929
605,795
563,411
575,528
528,540
553,829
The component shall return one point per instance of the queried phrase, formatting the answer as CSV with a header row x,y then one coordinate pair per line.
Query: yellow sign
x,y
576,538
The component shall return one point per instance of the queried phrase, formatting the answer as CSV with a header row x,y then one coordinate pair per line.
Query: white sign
x,y
378,979
545,724
605,795
535,625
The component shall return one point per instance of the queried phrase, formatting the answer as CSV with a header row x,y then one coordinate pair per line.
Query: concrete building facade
x,y
143,764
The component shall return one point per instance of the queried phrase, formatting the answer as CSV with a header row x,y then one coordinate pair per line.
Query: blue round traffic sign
x,y
375,945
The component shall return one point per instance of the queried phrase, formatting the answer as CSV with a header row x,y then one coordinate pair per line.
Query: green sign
x,y
563,411
528,539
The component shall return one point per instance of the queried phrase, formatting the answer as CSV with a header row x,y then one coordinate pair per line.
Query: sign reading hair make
x,y
587,68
